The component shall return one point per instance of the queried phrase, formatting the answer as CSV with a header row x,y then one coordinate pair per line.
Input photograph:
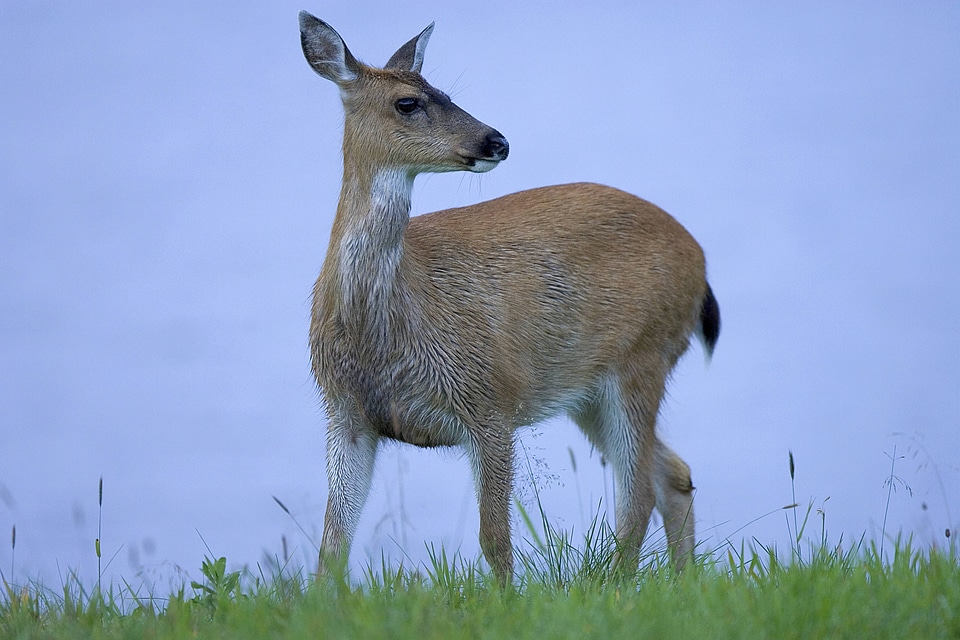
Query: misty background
x,y
168,177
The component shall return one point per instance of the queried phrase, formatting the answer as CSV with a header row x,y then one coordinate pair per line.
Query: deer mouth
x,y
481,165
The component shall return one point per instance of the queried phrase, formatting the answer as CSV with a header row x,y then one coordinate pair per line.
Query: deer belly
x,y
403,409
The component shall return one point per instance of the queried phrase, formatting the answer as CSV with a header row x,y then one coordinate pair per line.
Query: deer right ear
x,y
325,50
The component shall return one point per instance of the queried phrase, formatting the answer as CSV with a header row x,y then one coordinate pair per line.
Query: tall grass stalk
x,y
892,479
576,480
793,493
99,534
296,522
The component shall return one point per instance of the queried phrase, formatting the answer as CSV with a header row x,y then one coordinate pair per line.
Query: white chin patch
x,y
482,166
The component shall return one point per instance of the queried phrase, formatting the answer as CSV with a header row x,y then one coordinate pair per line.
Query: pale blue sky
x,y
168,175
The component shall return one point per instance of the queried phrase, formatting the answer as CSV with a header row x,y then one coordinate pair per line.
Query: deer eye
x,y
406,106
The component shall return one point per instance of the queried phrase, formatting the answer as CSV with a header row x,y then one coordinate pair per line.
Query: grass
x,y
564,588
749,594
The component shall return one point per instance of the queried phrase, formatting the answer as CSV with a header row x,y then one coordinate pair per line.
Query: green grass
x,y
749,593
564,588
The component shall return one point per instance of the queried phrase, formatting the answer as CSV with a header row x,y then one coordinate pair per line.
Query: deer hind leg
x,y
674,493
621,421
351,452
491,455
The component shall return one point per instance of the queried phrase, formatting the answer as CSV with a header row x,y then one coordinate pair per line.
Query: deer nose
x,y
496,146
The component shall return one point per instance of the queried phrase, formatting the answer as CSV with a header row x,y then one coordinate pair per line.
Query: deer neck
x,y
367,238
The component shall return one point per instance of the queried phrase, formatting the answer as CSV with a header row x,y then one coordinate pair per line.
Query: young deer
x,y
457,327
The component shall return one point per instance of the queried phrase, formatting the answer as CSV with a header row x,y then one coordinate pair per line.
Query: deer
x,y
457,328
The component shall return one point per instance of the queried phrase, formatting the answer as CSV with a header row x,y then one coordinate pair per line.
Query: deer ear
x,y
409,57
325,50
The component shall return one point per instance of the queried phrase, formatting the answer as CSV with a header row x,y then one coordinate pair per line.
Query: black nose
x,y
496,146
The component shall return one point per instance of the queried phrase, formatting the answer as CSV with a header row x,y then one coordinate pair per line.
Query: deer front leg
x,y
491,455
351,452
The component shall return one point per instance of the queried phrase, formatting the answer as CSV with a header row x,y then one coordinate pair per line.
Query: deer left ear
x,y
409,57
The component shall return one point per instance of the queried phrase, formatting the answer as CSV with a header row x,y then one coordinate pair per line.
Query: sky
x,y
168,178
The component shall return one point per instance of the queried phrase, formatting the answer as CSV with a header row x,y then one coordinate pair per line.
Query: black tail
x,y
709,321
